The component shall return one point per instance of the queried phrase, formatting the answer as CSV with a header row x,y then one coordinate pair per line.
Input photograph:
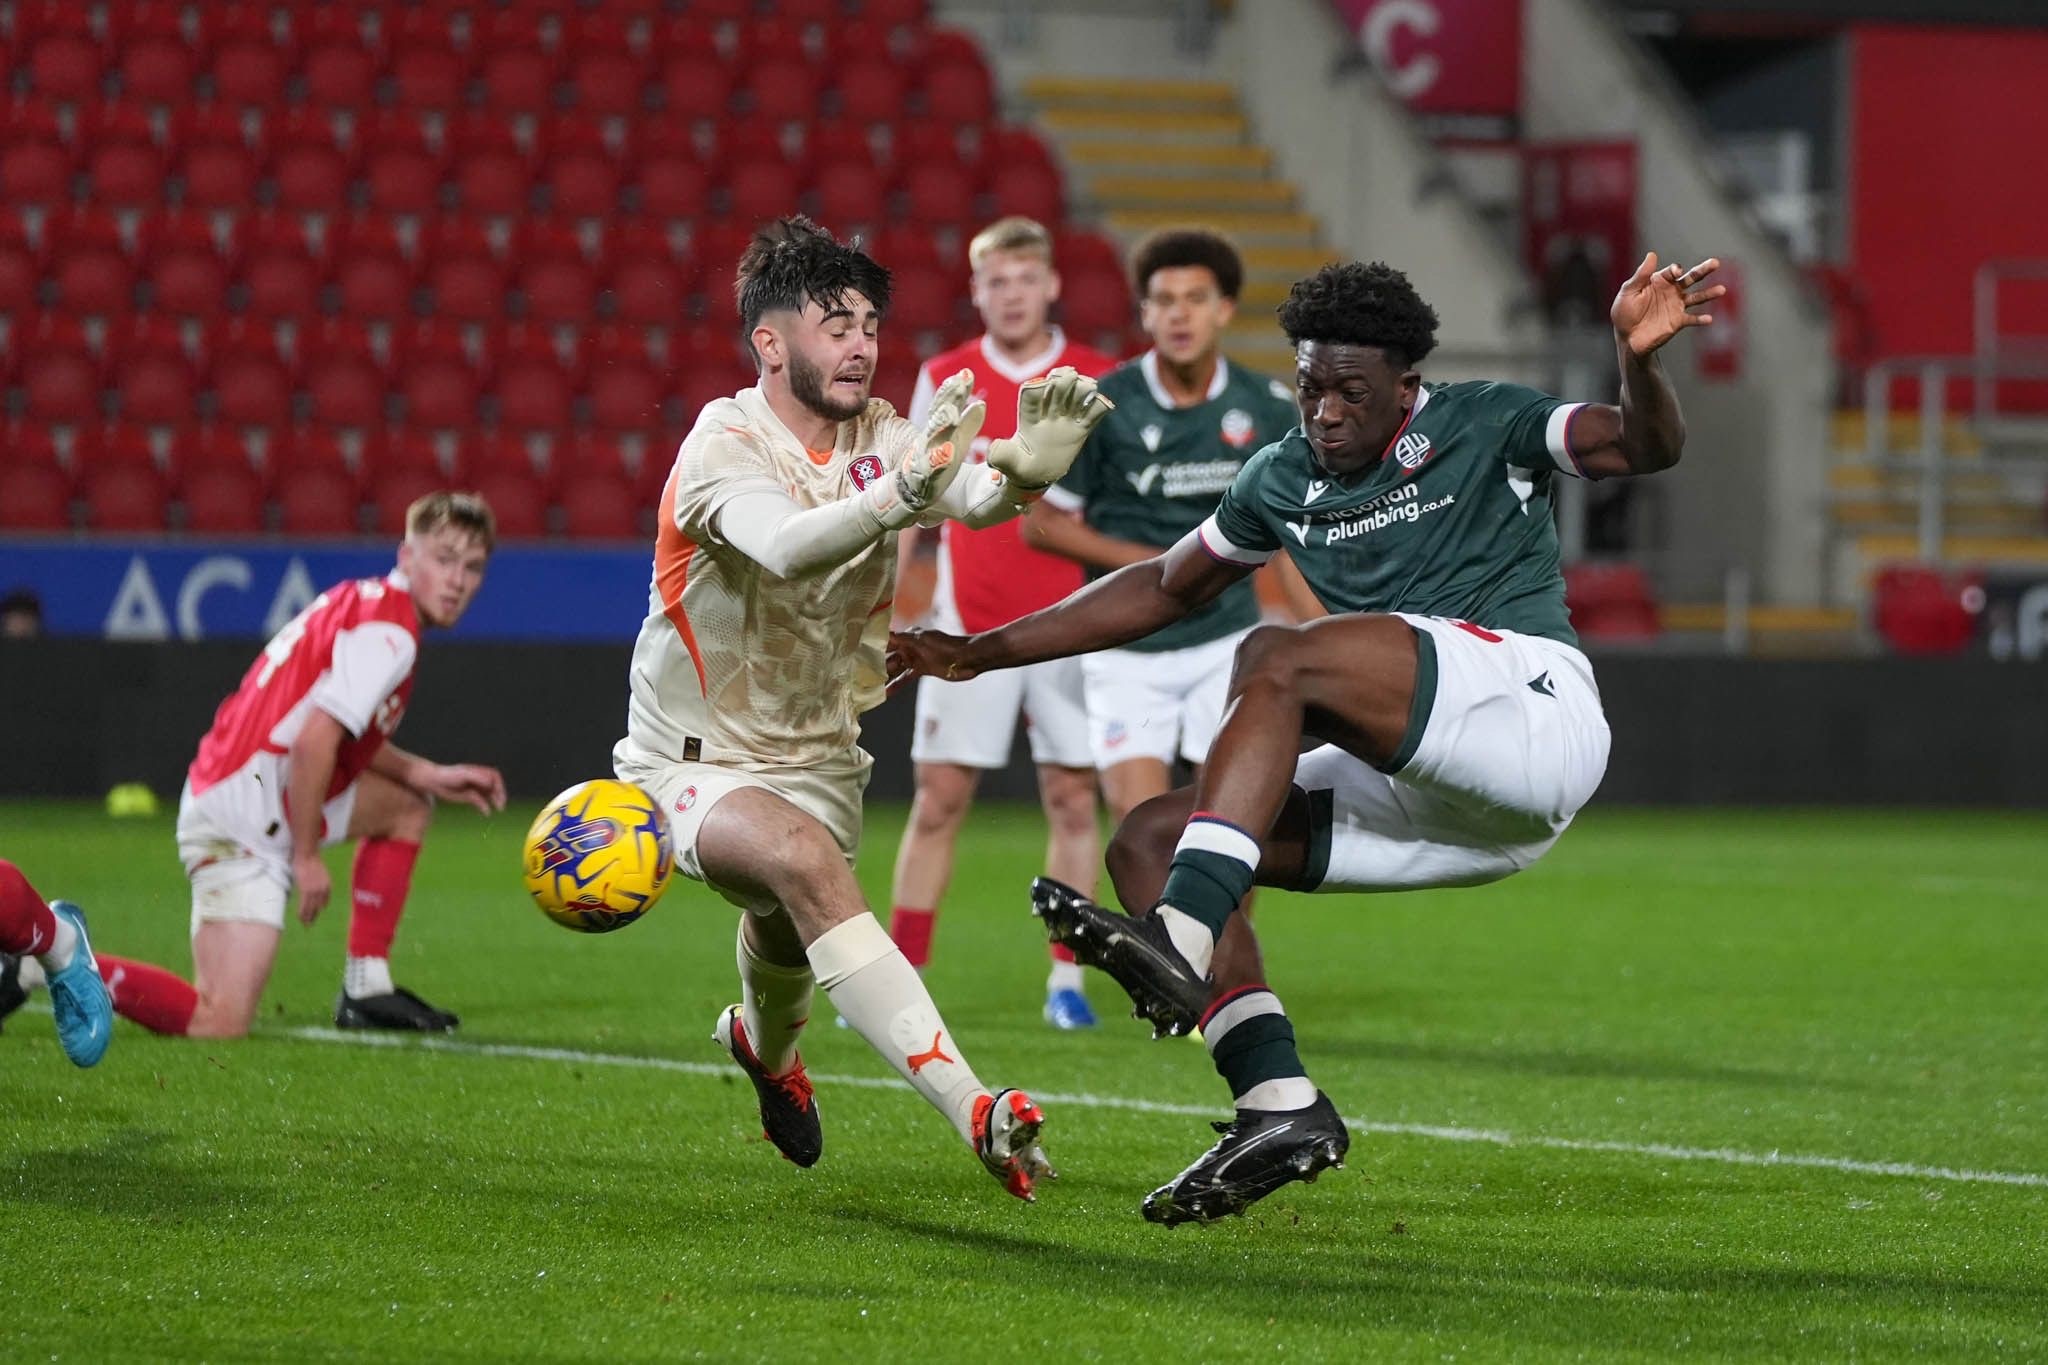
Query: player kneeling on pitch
x,y
298,759
1459,726
767,621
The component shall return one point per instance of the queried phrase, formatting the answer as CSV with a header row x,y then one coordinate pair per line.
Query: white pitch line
x,y
1727,1156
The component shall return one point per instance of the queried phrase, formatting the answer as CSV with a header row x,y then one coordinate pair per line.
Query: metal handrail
x,y
1934,374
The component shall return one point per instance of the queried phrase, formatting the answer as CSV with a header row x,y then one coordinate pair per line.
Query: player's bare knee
x,y
941,801
410,816
1142,848
1268,657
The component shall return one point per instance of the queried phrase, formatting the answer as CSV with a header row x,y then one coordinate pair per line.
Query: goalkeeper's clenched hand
x,y
937,456
1054,416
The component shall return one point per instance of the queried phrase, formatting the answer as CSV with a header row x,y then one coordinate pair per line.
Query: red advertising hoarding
x,y
1456,63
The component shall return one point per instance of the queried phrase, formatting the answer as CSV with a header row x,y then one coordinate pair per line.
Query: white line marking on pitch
x,y
1727,1156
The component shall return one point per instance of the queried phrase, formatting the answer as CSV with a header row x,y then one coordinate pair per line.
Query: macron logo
x,y
1316,488
1146,477
1150,434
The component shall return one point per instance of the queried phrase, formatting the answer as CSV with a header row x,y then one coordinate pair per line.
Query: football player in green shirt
x,y
1459,727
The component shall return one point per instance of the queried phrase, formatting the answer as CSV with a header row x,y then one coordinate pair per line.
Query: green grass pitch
x,y
1703,1086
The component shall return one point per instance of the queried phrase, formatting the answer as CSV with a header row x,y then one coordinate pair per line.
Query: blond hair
x,y
1015,233
465,512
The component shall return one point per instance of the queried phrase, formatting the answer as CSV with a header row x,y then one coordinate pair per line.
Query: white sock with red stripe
x,y
882,997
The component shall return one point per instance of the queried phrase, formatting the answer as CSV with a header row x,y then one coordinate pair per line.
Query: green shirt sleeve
x,y
1242,532
1535,427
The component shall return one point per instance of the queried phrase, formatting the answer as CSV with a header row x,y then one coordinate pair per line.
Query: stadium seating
x,y
236,241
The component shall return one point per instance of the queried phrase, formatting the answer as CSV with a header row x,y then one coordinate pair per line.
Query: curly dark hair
x,y
792,261
1355,304
1172,247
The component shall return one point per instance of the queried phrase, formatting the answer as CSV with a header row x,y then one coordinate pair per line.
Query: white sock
x,y
1064,976
1289,1092
881,995
32,976
367,976
62,947
1191,938
775,1004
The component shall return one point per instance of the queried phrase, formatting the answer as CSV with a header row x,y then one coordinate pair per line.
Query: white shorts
x,y
1506,742
236,848
829,794
1158,704
974,723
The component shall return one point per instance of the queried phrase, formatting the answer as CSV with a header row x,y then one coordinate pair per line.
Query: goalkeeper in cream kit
x,y
767,620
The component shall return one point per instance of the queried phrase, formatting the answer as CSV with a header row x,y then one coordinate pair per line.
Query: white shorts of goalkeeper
x,y
828,793
1506,741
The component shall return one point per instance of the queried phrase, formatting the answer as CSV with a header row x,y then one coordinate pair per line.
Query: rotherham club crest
x,y
686,800
1237,428
1411,450
864,470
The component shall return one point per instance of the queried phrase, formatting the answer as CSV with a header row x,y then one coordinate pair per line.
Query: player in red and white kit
x,y
988,578
299,757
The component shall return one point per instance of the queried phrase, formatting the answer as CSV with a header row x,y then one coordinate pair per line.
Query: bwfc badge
x,y
1412,449
1237,429
864,470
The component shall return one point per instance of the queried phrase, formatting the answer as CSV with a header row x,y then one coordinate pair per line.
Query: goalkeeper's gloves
x,y
1054,416
936,455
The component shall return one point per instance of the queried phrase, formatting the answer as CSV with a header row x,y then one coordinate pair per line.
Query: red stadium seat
x,y
1093,300
317,501
648,291
25,445
249,72
94,280
20,279
252,390
345,391
871,92
34,169
100,447
1918,610
919,142
762,190
608,82
850,195
583,184
905,247
395,491
674,184
156,388
697,86
517,26
340,74
532,395
301,448
938,193
34,497
500,452
1074,251
492,182
189,280
193,449
403,181
65,67
518,80
439,392
282,282
923,302
157,69
295,126
544,238
1611,601
123,496
783,89
447,237
427,75
437,339
474,131
587,454
311,179
399,450
218,176
127,174
600,507
375,285
468,288
893,13
222,500
559,290
518,503
625,398
1028,189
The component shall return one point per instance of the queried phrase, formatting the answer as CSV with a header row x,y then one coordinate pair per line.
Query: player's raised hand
x,y
473,784
949,431
925,653
1657,303
1054,416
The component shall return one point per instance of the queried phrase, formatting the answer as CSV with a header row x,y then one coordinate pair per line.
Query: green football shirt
x,y
1152,472
1453,521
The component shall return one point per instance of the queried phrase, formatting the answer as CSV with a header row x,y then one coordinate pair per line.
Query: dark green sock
x,y
1258,1049
1206,886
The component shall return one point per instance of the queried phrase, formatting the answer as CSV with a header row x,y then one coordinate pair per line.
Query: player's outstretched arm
x,y
473,784
1646,432
793,541
1113,610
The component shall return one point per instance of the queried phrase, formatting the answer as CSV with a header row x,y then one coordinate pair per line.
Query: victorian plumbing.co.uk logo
x,y
1396,504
